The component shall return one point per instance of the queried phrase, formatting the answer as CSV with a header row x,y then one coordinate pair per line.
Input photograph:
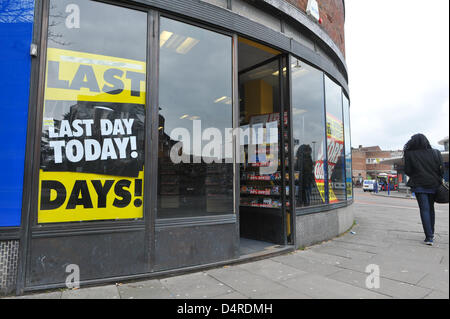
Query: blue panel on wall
x,y
16,26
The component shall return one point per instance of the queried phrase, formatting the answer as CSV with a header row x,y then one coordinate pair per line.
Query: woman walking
x,y
424,166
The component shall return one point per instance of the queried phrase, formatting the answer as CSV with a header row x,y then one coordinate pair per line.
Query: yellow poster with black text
x,y
335,141
93,138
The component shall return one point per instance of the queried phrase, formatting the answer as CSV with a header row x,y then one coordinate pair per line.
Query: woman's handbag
x,y
441,196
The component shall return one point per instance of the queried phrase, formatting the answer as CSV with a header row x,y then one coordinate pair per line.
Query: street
x,y
382,257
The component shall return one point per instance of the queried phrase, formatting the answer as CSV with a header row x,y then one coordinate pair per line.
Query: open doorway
x,y
264,210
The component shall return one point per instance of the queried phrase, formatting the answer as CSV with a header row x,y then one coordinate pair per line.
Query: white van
x,y
369,186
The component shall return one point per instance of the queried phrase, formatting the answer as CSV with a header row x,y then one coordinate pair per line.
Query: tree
x,y
16,11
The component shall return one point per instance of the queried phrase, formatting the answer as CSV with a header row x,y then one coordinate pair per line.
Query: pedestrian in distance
x,y
425,169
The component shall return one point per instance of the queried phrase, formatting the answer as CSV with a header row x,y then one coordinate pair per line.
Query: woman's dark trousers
x,y
426,205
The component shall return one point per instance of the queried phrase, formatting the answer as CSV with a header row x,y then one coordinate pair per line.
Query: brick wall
x,y
333,17
362,166
359,164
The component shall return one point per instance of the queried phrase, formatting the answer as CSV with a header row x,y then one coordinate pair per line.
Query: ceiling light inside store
x,y
296,111
296,73
192,118
224,99
220,99
178,43
174,41
260,74
184,116
278,72
165,35
187,45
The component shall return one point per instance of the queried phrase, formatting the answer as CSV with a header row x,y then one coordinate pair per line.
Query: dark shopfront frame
x,y
197,13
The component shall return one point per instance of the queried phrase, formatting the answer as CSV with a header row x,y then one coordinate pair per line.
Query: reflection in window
x,y
335,139
308,115
195,109
348,148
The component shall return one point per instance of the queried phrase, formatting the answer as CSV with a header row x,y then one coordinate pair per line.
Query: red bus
x,y
387,179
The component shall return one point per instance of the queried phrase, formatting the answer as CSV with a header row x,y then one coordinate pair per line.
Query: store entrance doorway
x,y
265,205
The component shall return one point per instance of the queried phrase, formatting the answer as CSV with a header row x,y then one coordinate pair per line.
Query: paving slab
x,y
437,295
355,246
419,253
283,293
326,259
272,270
344,252
231,295
195,286
324,288
374,243
244,282
444,260
102,292
434,281
387,287
151,289
47,295
309,265
396,270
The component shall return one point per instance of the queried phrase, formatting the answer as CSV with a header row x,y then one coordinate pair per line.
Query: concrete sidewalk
x,y
394,194
388,235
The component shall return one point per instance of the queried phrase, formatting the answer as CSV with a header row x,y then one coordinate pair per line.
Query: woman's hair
x,y
417,142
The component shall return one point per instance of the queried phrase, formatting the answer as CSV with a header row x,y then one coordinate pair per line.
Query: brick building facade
x,y
366,162
332,13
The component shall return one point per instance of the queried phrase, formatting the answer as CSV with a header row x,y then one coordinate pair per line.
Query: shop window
x,y
195,173
335,140
348,148
92,145
308,114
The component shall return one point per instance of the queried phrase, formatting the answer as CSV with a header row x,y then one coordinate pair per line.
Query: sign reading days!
x,y
92,160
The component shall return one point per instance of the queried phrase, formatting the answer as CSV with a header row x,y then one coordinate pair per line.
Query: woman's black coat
x,y
424,167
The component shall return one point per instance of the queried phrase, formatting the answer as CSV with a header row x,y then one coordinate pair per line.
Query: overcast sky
x,y
398,59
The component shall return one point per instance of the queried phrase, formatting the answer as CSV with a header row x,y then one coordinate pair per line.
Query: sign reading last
x,y
88,77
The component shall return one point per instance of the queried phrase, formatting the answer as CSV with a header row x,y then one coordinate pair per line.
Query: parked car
x,y
369,185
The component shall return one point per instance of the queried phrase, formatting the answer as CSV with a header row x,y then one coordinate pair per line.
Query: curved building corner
x,y
154,137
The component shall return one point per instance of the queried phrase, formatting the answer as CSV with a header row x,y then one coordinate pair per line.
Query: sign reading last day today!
x,y
92,160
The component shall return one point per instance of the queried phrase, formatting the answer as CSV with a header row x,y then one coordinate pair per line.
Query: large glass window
x,y
308,121
92,145
335,138
195,176
348,148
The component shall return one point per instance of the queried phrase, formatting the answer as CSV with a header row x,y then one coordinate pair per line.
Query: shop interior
x,y
264,193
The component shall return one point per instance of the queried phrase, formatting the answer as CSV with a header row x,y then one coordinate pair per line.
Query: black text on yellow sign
x,y
65,197
78,76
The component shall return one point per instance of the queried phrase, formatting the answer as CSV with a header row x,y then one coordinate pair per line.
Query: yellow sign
x,y
68,197
335,137
92,162
77,76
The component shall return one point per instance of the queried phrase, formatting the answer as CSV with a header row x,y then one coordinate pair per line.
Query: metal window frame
x,y
345,141
199,220
29,227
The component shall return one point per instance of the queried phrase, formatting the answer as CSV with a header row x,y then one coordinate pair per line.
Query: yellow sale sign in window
x,y
92,145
